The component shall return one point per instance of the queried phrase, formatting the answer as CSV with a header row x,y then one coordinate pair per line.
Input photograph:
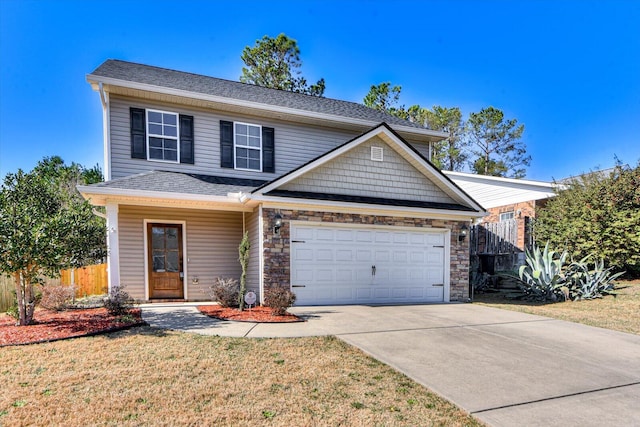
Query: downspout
x,y
106,130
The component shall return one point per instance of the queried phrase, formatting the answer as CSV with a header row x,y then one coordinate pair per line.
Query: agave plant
x,y
590,284
543,274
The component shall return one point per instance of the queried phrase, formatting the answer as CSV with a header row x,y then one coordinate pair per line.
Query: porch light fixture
x,y
278,224
463,233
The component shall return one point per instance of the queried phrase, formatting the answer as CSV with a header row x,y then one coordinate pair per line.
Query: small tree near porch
x,y
43,229
243,252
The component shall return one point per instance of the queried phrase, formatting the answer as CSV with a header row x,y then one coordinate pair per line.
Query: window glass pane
x,y
241,152
172,261
157,237
155,129
155,153
172,238
155,142
169,119
158,261
254,164
254,131
254,154
170,131
241,140
241,129
254,142
171,155
171,144
241,163
154,117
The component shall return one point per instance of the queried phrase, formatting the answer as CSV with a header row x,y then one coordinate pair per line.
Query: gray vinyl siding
x,y
212,246
253,271
294,144
354,173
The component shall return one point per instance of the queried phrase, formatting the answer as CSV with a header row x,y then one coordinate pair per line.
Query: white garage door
x,y
339,265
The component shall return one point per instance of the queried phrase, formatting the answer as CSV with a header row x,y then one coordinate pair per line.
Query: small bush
x,y
57,297
279,299
13,310
226,291
118,302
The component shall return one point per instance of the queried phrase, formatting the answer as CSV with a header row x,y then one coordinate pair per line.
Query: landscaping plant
x,y
279,299
226,291
118,302
57,297
543,274
243,252
589,283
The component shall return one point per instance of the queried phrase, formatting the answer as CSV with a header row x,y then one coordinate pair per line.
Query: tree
x,y
495,143
598,215
275,63
385,97
44,228
243,252
448,154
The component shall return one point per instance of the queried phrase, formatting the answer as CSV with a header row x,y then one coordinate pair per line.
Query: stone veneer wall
x,y
277,250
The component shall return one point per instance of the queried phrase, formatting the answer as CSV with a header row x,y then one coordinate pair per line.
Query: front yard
x,y
621,313
145,376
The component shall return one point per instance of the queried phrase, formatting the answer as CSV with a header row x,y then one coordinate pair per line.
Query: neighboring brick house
x,y
339,200
511,204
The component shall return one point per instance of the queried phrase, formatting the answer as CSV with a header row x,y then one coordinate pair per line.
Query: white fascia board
x,y
486,178
350,207
89,192
94,80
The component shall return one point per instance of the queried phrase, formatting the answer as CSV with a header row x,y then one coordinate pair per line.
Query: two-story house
x,y
340,201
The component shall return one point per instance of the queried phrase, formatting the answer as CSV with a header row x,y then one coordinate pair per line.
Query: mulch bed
x,y
54,326
259,314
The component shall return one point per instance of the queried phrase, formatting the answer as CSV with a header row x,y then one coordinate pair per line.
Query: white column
x,y
113,247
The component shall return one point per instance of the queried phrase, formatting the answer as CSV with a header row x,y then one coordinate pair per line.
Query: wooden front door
x,y
165,261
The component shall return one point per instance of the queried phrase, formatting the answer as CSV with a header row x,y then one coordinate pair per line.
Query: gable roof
x,y
493,191
129,74
464,202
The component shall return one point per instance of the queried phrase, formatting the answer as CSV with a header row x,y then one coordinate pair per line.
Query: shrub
x,y
591,283
226,291
118,302
543,275
57,297
279,299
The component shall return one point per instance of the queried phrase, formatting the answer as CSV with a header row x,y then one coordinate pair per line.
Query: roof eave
x,y
94,80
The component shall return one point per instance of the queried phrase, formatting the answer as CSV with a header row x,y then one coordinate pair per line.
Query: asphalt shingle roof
x,y
146,74
183,183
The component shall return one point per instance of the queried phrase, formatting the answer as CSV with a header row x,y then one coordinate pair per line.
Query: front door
x,y
165,261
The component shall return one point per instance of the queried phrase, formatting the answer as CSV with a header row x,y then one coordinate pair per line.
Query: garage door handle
x,y
298,286
373,270
438,284
298,241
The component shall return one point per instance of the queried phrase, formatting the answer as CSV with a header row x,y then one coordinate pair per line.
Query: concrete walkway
x,y
506,368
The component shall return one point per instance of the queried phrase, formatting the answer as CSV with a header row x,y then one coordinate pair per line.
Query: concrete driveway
x,y
505,368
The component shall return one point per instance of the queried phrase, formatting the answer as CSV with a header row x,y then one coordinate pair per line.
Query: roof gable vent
x,y
377,154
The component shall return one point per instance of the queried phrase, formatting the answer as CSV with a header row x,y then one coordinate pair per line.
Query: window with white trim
x,y
506,216
162,136
247,140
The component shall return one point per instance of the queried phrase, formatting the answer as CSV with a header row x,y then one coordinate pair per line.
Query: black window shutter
x,y
226,144
138,133
268,150
186,139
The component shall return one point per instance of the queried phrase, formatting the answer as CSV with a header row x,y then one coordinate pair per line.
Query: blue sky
x,y
568,70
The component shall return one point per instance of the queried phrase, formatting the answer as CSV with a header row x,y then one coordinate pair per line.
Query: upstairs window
x,y
162,134
248,146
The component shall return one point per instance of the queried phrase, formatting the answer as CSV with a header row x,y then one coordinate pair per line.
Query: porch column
x,y
113,247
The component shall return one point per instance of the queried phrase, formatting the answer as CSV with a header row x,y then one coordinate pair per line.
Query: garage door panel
x,y
334,265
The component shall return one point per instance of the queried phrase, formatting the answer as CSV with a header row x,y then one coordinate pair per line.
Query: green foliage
x,y
591,283
384,97
45,226
543,274
275,63
226,291
597,214
449,154
243,252
495,144
279,299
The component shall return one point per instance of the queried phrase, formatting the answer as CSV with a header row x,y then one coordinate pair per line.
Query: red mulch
x,y
53,326
258,314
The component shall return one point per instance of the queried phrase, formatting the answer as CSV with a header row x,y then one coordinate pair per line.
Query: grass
x,y
151,377
620,313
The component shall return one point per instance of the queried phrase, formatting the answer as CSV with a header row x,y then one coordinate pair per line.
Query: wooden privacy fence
x,y
495,238
90,280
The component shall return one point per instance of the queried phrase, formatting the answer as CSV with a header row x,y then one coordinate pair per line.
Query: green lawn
x,y
620,313
146,376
